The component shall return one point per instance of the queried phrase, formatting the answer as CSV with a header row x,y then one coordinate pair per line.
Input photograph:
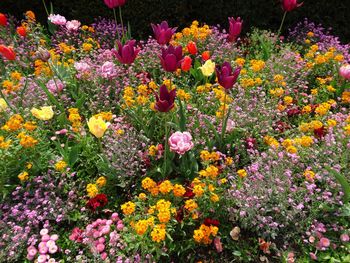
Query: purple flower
x,y
165,100
234,29
171,58
226,77
127,53
163,33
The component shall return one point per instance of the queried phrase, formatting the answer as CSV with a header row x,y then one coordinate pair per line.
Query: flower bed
x,y
196,144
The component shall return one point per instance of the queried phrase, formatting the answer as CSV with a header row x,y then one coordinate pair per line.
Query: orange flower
x,y
22,31
206,55
192,48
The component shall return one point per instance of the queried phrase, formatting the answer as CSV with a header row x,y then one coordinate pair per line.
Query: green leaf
x,y
73,155
343,182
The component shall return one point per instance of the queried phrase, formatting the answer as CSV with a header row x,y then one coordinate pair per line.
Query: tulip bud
x,y
186,64
126,54
163,33
226,77
235,28
42,54
21,30
3,20
192,48
165,100
205,55
289,5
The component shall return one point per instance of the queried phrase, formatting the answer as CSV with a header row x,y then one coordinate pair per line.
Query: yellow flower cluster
x,y
277,92
93,189
23,176
183,95
205,234
309,175
211,171
26,141
60,166
190,205
12,84
323,108
204,88
75,119
250,82
257,65
242,173
66,49
345,97
193,32
14,123
158,233
222,96
272,142
150,185
128,208
164,210
4,144
311,126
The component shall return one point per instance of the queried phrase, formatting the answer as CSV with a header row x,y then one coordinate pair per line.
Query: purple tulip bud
x,y
114,3
289,5
163,33
126,54
235,28
165,100
171,58
226,77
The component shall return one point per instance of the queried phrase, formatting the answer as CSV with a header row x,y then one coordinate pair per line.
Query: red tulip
x,y
205,55
162,32
186,64
22,31
165,100
3,20
171,58
126,54
192,48
114,3
235,28
226,77
289,5
7,52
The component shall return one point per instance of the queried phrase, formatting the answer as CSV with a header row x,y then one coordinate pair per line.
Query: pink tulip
x,y
344,71
57,20
180,142
289,5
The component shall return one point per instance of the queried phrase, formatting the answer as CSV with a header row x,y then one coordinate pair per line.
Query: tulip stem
x,y
223,120
46,10
280,29
165,148
121,21
116,23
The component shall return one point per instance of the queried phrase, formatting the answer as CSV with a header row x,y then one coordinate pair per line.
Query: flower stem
x,y
121,21
116,23
165,147
223,120
46,10
280,29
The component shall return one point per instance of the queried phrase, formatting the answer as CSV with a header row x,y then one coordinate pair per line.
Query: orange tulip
x,y
206,55
192,48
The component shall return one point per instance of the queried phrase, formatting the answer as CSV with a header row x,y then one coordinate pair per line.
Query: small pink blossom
x,y
42,259
53,249
44,231
108,70
57,20
55,86
344,237
180,142
73,25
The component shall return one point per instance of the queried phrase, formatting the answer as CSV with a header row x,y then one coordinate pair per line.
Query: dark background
x,y
266,14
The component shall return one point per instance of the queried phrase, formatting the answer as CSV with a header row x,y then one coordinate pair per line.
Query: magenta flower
x,y
114,3
180,142
165,100
234,29
344,71
171,58
226,77
163,33
126,54
289,5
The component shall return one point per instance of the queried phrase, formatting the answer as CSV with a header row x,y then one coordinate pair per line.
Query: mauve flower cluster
x,y
322,36
279,202
43,202
103,239
105,32
124,150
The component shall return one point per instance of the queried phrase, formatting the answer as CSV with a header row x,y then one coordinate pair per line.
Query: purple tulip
x,y
226,77
171,58
126,54
165,100
235,28
114,3
163,33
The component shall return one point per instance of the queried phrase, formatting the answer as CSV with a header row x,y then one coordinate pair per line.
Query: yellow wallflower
x,y
92,190
60,166
128,208
44,113
24,176
242,173
191,205
165,187
179,190
101,181
158,233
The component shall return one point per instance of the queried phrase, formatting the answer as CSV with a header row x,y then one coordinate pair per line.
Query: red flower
x,y
21,30
192,48
264,246
320,132
211,222
76,235
205,55
179,215
189,193
186,64
7,52
3,20
99,200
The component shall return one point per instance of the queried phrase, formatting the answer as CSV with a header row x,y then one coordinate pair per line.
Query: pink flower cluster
x,y
57,20
100,234
73,25
55,85
46,247
180,142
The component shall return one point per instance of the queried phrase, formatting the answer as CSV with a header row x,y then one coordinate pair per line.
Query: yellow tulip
x,y
97,126
208,68
3,105
45,113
